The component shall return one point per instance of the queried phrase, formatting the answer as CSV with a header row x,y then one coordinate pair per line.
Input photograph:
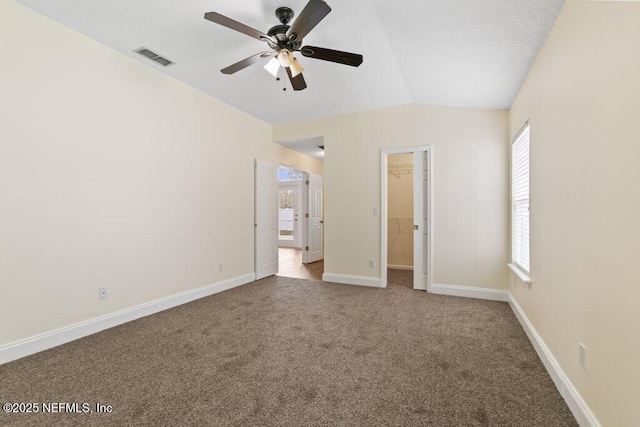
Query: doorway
x,y
290,183
301,246
406,235
293,211
400,220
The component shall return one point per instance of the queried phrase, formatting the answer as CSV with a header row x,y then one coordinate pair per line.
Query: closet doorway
x,y
406,217
400,212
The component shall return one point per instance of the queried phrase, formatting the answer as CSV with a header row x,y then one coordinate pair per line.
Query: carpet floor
x,y
293,352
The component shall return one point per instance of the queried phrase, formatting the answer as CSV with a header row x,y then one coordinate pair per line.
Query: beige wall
x,y
470,201
582,97
400,214
113,174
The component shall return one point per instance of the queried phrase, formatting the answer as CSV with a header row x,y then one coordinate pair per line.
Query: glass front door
x,y
287,214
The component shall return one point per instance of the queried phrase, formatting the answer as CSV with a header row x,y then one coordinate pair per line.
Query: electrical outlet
x,y
372,263
220,267
583,355
103,292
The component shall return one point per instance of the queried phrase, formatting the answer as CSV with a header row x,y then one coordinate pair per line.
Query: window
x,y
520,200
288,174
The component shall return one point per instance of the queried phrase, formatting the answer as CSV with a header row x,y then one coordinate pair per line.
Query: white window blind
x,y
520,200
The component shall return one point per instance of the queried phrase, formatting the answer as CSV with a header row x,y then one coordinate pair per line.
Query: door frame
x,y
304,206
384,215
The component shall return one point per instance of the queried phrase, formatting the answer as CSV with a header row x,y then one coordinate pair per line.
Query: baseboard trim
x,y
374,282
470,292
400,267
581,411
47,340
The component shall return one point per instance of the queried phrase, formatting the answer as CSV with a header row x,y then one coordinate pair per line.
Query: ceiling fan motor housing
x,y
279,32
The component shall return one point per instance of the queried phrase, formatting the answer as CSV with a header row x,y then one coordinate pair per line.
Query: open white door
x,y
420,218
314,248
266,219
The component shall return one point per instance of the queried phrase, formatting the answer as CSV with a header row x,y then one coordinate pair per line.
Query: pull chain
x,y
284,83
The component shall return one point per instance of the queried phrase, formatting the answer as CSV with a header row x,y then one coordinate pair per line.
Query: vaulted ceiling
x,y
466,53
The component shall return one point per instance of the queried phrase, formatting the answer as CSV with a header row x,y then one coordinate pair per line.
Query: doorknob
x,y
415,227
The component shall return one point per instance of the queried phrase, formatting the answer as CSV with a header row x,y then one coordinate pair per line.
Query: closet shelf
x,y
400,168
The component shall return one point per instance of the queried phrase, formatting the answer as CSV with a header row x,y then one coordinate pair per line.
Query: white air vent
x,y
153,56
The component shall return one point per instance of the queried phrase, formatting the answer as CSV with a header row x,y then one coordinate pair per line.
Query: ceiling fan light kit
x,y
285,58
284,40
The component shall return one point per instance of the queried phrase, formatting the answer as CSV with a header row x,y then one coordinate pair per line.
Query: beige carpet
x,y
294,352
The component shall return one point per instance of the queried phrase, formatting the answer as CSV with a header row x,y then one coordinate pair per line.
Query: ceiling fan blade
x,y
246,62
297,82
235,25
345,58
311,15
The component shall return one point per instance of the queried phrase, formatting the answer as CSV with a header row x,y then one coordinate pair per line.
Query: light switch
x,y
376,211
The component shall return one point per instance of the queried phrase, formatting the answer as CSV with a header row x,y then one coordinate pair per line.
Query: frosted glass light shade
x,y
296,68
272,67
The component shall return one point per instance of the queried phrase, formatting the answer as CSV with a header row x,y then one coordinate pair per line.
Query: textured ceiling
x,y
466,53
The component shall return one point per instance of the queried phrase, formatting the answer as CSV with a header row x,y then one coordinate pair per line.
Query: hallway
x,y
290,265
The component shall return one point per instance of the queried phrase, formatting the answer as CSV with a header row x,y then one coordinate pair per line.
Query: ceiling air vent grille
x,y
153,56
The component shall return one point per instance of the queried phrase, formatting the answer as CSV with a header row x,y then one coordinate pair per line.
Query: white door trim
x,y
384,211
304,224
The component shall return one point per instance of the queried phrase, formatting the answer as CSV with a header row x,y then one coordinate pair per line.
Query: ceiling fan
x,y
284,40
